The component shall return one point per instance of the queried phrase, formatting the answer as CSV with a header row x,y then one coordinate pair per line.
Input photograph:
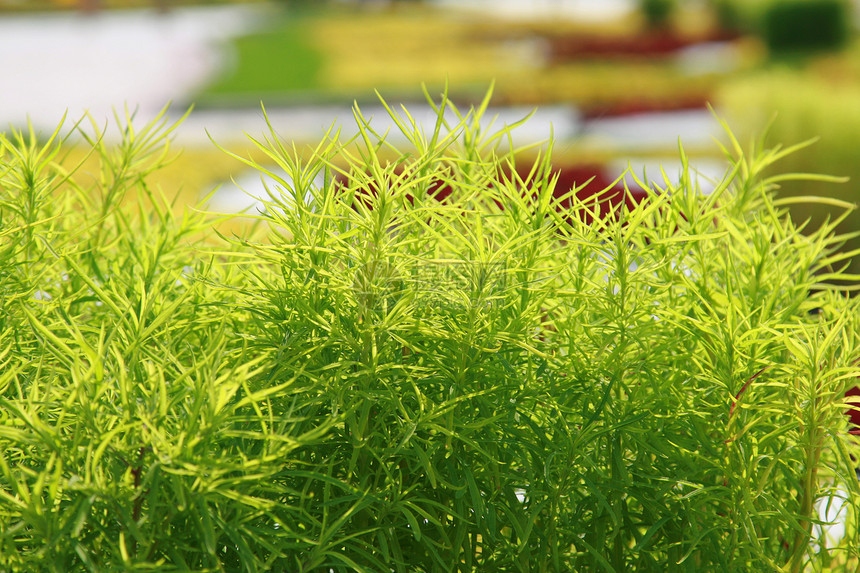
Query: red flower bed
x,y
608,195
650,44
634,106
853,412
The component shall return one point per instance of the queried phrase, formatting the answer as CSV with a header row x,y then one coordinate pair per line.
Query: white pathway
x,y
587,10
51,64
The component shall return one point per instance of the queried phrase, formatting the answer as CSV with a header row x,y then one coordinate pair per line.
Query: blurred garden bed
x,y
13,6
347,53
649,43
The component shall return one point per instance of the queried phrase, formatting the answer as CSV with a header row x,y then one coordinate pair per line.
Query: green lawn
x,y
278,60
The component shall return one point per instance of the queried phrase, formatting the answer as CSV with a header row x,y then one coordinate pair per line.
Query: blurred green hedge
x,y
806,25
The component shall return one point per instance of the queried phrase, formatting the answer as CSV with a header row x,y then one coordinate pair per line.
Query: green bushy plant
x,y
805,25
393,379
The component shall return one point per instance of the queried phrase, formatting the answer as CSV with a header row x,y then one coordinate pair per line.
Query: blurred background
x,y
615,83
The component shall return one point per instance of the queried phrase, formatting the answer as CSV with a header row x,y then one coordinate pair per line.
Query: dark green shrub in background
x,y
657,13
729,16
393,382
806,25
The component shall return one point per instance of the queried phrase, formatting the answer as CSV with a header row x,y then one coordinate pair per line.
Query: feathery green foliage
x,y
395,381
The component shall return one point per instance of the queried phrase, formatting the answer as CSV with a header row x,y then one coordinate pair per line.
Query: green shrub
x,y
388,381
732,16
806,25
657,12
728,15
740,15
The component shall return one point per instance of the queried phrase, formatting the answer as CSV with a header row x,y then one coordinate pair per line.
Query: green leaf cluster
x,y
434,360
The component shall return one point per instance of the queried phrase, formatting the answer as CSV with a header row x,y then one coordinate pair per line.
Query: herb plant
x,y
434,360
